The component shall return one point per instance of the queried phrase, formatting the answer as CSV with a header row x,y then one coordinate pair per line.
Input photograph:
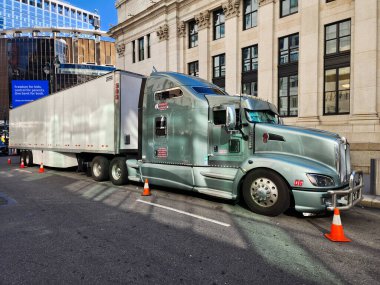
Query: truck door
x,y
225,148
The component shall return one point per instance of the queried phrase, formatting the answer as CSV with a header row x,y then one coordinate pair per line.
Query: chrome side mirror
x,y
230,117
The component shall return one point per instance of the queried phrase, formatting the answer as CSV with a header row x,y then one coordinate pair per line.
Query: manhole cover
x,y
3,201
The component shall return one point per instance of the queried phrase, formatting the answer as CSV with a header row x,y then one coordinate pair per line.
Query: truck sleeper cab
x,y
198,138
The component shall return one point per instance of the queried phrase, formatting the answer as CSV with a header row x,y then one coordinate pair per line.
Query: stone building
x,y
317,60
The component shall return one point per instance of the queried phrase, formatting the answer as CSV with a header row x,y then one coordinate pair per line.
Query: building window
x,y
141,49
288,49
219,70
219,66
288,7
249,88
193,68
250,14
133,52
337,91
338,37
328,1
249,70
219,24
148,44
288,95
193,34
250,58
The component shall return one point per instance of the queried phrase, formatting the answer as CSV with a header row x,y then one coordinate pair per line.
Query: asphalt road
x,y
61,227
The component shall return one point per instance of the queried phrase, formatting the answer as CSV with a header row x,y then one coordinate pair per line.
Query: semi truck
x,y
183,132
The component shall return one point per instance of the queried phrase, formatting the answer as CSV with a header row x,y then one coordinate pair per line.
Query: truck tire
x,y
99,168
28,158
22,156
118,171
266,193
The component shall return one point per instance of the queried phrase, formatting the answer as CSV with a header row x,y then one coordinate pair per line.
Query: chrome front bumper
x,y
347,198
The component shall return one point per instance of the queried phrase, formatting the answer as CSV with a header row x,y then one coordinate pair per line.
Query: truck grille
x,y
344,164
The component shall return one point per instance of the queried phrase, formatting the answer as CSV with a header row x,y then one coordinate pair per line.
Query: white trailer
x,y
99,117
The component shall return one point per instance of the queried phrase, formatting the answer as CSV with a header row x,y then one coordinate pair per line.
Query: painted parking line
x,y
184,213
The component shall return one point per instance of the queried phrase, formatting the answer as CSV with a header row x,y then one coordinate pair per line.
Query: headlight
x,y
320,180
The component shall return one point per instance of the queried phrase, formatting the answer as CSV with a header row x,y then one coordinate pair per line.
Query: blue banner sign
x,y
25,91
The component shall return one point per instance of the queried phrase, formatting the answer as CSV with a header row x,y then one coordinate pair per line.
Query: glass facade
x,y
45,13
46,59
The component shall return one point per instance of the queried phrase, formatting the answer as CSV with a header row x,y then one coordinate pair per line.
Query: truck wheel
x,y
118,171
28,158
99,168
22,156
266,193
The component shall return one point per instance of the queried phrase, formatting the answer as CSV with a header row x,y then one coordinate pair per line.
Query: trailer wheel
x,y
28,158
22,156
118,171
266,193
99,168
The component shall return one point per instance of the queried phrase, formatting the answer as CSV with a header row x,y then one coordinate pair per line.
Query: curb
x,y
371,201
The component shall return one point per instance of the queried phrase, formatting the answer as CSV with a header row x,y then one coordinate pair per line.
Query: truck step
x,y
215,193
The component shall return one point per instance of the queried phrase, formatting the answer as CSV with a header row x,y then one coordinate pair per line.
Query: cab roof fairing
x,y
256,104
180,79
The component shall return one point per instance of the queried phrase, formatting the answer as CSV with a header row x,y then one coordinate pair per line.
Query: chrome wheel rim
x,y
116,172
264,192
97,169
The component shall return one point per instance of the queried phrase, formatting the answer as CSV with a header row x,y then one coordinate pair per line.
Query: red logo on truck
x,y
161,106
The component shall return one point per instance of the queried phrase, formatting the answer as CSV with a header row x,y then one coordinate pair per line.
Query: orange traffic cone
x,y
9,161
22,165
337,233
42,170
146,189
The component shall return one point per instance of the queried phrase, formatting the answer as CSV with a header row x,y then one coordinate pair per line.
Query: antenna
x,y
240,112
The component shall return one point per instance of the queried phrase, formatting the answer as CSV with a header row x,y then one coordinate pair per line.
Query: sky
x,y
106,9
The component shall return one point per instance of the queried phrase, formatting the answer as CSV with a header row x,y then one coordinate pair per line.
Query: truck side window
x,y
161,129
219,117
168,94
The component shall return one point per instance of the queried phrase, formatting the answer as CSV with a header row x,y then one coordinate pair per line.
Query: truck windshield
x,y
208,90
262,117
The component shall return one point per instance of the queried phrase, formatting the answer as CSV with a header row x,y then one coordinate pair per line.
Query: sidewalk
x,y
369,200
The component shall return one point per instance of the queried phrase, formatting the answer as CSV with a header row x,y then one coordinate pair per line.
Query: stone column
x,y
364,64
231,12
163,36
173,43
203,22
120,59
266,78
308,64
181,35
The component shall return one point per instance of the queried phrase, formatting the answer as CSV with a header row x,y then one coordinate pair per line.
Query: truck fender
x,y
291,168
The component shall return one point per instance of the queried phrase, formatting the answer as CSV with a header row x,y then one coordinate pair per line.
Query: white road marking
x,y
184,213
21,170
